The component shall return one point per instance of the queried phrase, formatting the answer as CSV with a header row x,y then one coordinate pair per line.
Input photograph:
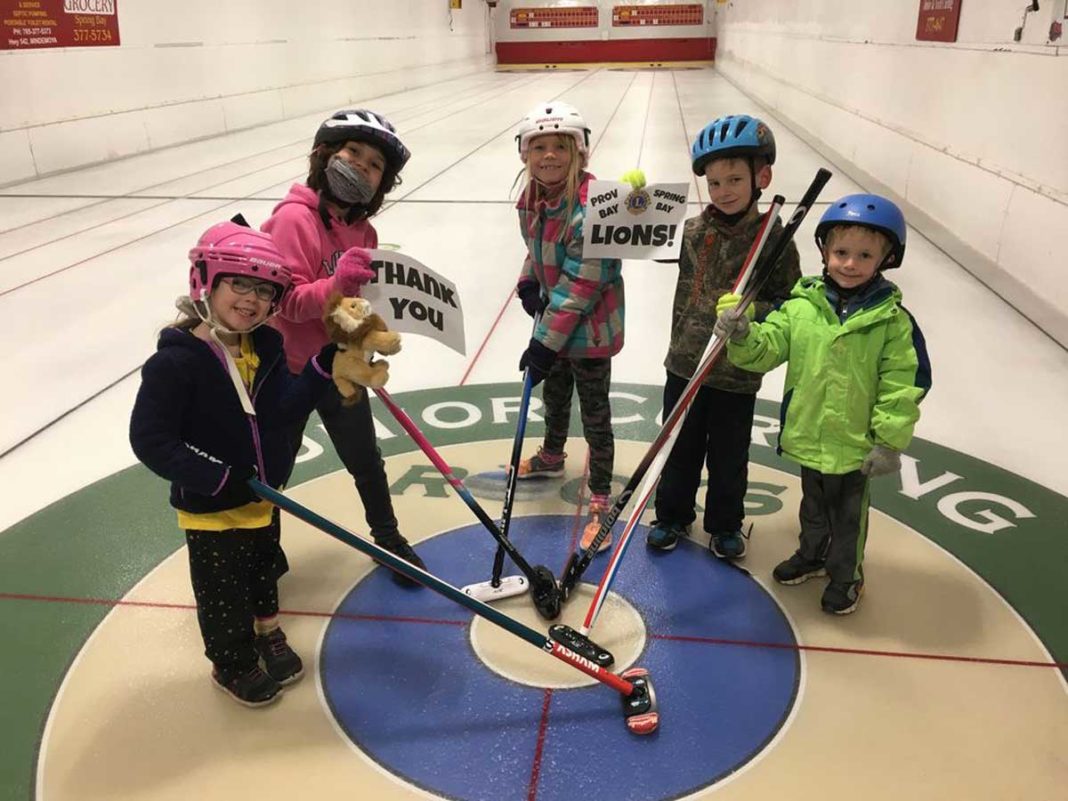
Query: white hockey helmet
x,y
554,117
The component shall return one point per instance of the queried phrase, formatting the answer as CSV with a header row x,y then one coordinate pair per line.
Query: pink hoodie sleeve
x,y
297,236
307,300
298,232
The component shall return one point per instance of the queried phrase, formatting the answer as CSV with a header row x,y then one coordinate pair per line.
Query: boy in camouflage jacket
x,y
735,155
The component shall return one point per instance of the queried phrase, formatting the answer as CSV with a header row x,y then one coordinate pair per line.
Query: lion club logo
x,y
637,201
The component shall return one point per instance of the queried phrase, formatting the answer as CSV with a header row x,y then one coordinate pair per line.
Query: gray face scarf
x,y
346,184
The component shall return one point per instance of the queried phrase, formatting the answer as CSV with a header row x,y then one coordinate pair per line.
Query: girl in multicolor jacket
x,y
581,301
857,370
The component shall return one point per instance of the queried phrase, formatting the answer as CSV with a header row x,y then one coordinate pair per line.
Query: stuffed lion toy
x,y
359,334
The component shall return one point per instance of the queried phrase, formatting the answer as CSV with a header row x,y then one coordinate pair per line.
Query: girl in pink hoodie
x,y
322,228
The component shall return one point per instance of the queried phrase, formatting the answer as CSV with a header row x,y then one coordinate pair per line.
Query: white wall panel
x,y
196,68
87,141
16,159
969,202
171,125
253,108
972,133
1032,245
889,155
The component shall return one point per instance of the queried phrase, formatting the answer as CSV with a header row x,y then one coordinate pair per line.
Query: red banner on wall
x,y
570,17
29,24
689,14
938,20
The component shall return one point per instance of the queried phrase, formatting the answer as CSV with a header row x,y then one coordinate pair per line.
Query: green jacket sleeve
x,y
766,347
897,401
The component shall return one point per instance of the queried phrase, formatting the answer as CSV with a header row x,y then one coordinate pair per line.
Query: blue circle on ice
x,y
403,682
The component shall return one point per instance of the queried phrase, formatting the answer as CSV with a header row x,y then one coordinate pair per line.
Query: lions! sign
x,y
627,223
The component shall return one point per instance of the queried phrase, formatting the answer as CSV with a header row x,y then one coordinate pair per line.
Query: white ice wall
x,y
188,69
973,135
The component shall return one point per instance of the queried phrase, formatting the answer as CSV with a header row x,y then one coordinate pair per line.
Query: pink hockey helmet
x,y
229,248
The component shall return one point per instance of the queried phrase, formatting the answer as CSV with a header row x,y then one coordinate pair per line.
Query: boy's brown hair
x,y
884,241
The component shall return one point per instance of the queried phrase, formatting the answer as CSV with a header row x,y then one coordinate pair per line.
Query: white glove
x,y
732,324
880,461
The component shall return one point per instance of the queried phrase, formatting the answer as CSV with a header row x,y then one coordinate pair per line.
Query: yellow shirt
x,y
252,515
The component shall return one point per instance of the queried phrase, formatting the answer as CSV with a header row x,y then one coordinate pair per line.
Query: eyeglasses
x,y
242,286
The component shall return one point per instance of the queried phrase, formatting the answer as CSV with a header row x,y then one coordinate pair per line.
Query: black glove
x,y
236,484
530,296
325,357
539,360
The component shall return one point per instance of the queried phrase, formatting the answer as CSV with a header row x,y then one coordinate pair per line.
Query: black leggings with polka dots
x,y
235,579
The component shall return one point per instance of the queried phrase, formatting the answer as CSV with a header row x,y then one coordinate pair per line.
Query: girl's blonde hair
x,y
187,318
533,191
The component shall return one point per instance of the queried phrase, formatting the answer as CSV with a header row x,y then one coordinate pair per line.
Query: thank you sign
x,y
414,299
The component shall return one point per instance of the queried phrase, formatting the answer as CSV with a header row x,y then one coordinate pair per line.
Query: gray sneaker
x,y
797,570
842,598
538,466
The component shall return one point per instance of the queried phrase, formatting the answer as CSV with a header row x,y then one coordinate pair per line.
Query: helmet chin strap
x,y
203,311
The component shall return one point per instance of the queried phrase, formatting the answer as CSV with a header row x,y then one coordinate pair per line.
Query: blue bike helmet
x,y
869,211
736,136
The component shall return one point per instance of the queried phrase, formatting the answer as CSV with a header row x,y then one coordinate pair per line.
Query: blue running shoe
x,y
727,545
665,536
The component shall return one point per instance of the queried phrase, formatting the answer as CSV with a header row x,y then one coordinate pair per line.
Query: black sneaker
x,y
398,546
842,598
797,569
727,545
279,660
251,688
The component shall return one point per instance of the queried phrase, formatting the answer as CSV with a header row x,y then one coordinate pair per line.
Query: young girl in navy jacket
x,y
216,407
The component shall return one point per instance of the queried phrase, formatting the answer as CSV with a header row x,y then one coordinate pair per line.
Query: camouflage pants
x,y
592,378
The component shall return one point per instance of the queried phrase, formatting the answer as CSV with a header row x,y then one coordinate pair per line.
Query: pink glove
x,y
353,271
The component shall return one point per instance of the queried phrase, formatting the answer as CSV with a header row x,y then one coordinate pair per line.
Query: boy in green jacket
x,y
857,370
